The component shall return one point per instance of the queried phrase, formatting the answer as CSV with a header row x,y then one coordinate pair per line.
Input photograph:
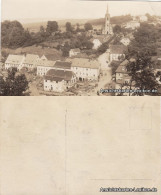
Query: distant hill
x,y
97,22
114,20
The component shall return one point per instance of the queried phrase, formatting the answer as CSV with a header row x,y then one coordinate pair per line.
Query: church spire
x,y
107,9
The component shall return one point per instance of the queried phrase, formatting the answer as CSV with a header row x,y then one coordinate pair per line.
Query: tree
x,y
142,75
117,29
42,31
52,26
145,40
12,34
102,48
150,18
88,26
14,85
69,27
66,49
78,27
121,19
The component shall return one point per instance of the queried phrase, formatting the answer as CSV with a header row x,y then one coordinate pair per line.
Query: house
x,y
125,41
116,53
85,69
43,58
74,52
43,66
14,61
30,61
122,76
59,80
98,40
132,24
96,43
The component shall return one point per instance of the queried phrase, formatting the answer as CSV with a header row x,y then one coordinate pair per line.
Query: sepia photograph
x,y
80,48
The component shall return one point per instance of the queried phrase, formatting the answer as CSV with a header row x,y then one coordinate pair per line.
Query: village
x,y
82,73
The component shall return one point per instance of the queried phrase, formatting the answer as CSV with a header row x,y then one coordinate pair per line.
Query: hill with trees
x,y
114,20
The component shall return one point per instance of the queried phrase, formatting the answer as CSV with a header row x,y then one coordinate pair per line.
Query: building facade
x,y
14,61
125,41
116,53
85,69
59,80
43,66
30,61
122,76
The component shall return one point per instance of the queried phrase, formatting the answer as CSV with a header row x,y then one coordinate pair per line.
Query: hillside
x,y
114,20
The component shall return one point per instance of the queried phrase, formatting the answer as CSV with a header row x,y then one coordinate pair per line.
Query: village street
x,y
106,77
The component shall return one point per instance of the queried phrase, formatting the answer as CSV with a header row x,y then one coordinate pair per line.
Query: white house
x,y
125,41
43,66
96,43
85,69
98,40
59,80
74,52
116,53
14,61
30,61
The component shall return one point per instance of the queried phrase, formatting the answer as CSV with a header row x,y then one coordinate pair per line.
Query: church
x,y
108,27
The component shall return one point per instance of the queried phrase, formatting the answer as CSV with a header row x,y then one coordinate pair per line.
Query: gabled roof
x,y
122,67
117,49
47,63
84,63
43,58
59,75
15,59
31,59
63,65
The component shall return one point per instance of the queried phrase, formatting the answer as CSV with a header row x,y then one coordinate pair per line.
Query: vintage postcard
x,y
80,48
80,145
73,146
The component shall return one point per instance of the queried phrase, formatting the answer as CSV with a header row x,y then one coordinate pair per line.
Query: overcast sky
x,y
62,9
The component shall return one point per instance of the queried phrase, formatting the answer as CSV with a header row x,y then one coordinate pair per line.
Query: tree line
x,y
13,34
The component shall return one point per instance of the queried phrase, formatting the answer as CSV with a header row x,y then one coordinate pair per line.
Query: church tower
x,y
107,27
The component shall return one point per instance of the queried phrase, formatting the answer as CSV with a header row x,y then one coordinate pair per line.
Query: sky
x,y
74,9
